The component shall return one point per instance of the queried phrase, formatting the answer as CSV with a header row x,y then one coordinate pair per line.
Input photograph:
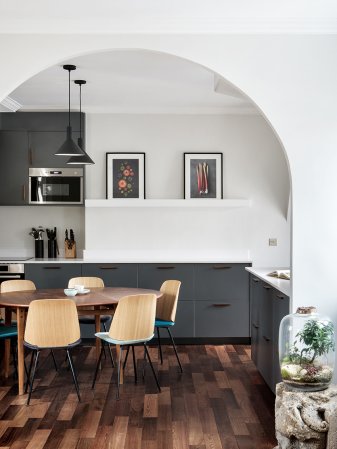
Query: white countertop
x,y
129,260
283,285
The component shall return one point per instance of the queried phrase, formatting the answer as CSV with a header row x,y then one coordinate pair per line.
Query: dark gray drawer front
x,y
221,281
53,275
153,275
113,275
221,319
184,326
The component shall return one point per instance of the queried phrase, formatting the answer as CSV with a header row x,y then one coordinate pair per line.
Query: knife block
x,y
70,253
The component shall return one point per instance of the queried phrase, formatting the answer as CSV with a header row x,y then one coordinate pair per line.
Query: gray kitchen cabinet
x,y
280,309
13,168
221,281
113,274
255,311
184,324
153,275
222,319
43,146
52,275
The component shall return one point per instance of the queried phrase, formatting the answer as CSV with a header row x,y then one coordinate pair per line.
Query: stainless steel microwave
x,y
56,186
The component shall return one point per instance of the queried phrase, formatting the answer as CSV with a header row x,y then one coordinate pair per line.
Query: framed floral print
x,y
125,175
203,175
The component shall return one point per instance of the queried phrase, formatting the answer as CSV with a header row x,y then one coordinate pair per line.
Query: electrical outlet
x,y
272,242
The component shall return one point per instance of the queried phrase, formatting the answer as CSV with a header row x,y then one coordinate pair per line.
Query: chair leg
x,y
144,364
97,366
109,347
174,347
134,363
53,356
153,371
159,346
74,375
126,357
33,377
29,372
119,367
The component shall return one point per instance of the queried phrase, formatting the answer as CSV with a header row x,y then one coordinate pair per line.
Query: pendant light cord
x,y
80,111
69,100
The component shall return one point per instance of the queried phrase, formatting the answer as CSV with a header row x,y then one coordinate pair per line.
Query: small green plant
x,y
318,339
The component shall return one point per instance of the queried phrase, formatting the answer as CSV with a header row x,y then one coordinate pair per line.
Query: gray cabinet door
x,y
13,168
52,275
184,324
280,309
153,275
222,319
43,146
228,282
255,312
113,275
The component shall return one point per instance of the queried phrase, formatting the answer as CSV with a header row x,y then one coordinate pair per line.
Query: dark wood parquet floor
x,y
219,402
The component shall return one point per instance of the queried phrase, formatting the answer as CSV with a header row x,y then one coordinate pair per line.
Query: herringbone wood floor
x,y
219,402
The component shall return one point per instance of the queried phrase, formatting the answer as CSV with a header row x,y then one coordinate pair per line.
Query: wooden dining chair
x,y
52,324
132,324
166,313
17,285
91,282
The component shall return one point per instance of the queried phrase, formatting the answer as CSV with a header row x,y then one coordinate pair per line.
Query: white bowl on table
x,y
70,291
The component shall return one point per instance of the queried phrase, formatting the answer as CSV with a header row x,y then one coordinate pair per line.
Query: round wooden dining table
x,y
97,302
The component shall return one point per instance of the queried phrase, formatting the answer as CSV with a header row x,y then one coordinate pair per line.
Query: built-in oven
x,y
10,271
56,186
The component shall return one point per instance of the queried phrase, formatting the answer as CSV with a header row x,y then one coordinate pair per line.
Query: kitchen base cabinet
x,y
52,275
113,275
280,309
184,324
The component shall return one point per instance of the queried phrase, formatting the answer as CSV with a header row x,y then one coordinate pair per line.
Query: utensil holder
x,y
70,253
39,253
52,244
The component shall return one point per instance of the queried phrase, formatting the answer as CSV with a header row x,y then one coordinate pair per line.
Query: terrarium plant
x,y
307,362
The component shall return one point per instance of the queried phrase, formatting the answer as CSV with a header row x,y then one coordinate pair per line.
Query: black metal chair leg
x,y
97,367
174,347
126,357
29,372
144,364
153,371
74,375
159,346
109,347
53,356
134,363
119,367
33,377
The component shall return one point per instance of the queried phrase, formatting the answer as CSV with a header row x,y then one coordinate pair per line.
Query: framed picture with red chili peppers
x,y
203,175
125,175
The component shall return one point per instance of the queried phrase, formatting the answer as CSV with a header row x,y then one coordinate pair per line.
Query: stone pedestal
x,y
306,420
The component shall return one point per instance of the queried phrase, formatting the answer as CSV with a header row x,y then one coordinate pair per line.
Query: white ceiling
x,y
133,81
220,16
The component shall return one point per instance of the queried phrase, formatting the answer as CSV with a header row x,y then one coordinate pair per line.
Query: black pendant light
x,y
69,147
84,159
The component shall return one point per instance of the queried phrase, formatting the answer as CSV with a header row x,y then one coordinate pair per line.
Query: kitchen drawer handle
x,y
10,276
51,268
166,267
256,280
221,304
279,296
221,267
255,326
266,338
267,287
109,268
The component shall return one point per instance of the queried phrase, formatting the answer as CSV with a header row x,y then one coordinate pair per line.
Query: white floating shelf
x,y
196,203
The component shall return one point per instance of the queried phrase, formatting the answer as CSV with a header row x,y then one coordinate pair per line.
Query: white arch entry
x,y
292,79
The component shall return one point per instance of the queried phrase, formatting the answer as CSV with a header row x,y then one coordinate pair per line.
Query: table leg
x,y
7,355
98,329
21,314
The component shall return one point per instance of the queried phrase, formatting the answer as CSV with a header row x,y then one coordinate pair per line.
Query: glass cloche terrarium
x,y
306,350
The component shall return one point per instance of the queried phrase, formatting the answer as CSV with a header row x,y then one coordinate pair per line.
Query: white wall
x,y
254,167
17,221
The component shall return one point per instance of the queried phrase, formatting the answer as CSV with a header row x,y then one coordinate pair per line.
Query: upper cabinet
x,y
31,139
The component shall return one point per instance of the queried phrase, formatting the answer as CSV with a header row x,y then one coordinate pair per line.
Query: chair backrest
x,y
17,285
167,304
88,282
134,318
52,323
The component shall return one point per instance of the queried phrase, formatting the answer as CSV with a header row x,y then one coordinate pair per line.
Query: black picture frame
x,y
216,185
114,169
